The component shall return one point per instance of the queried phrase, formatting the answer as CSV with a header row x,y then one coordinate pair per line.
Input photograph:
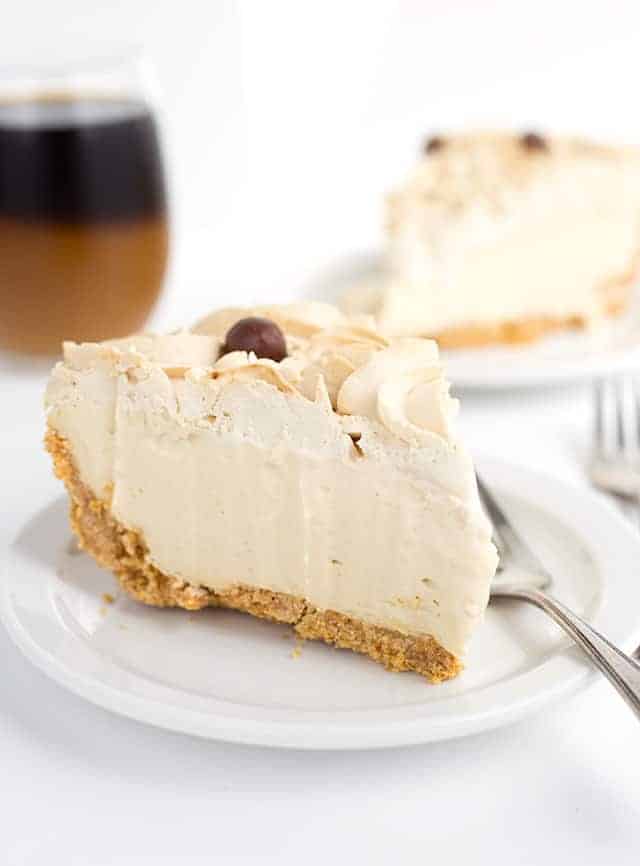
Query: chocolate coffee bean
x,y
260,336
533,141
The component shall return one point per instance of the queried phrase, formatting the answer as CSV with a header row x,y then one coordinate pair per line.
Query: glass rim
x,y
101,58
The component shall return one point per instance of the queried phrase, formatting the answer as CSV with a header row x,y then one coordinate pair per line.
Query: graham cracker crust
x,y
617,295
124,552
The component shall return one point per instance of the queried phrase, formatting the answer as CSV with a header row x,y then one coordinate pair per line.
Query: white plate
x,y
228,676
563,357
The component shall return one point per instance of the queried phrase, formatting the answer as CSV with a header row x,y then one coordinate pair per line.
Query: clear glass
x,y
83,207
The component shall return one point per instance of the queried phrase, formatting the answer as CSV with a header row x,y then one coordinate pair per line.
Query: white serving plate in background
x,y
562,357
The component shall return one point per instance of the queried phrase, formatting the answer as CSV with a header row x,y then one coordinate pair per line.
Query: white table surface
x,y
81,786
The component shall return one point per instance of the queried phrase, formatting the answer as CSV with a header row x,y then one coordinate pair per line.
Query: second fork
x,y
615,459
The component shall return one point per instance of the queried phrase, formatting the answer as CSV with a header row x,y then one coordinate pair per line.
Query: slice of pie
x,y
503,238
283,461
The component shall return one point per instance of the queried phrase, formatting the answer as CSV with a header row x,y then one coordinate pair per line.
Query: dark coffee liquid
x,y
79,161
83,231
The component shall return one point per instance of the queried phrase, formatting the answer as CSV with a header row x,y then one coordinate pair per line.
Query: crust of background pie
x,y
124,552
616,297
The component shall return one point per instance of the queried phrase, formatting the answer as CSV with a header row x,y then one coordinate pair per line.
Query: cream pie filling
x,y
487,230
334,475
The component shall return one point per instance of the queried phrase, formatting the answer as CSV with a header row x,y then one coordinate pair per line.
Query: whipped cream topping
x,y
334,475
492,172
488,230
397,383
299,319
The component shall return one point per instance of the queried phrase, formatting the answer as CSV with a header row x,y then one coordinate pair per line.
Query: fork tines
x,y
617,418
615,459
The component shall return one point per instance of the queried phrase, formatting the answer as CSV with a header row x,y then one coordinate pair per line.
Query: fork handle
x,y
620,669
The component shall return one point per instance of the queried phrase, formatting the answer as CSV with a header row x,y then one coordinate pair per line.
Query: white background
x,y
284,124
286,121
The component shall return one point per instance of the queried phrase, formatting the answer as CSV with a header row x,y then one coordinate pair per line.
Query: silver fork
x,y
615,459
521,576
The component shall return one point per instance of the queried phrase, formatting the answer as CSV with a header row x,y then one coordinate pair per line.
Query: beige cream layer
x,y
334,476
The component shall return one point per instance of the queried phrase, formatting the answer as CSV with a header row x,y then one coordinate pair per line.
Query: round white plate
x,y
228,676
564,357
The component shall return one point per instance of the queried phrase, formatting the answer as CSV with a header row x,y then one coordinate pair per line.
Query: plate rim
x,y
367,264
547,374
568,672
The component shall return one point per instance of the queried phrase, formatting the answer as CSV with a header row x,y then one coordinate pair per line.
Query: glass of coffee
x,y
83,206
